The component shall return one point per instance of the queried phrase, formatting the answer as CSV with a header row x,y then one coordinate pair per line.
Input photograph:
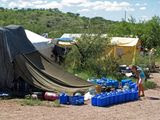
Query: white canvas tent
x,y
67,35
123,41
37,40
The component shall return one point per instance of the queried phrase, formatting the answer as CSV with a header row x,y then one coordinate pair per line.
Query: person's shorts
x,y
141,81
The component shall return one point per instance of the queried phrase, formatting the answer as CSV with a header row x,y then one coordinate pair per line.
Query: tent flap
x,y
20,58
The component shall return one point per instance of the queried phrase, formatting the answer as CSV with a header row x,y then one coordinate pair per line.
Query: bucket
x,y
98,89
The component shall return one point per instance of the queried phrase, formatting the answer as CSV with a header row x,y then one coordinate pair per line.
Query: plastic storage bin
x,y
76,100
64,98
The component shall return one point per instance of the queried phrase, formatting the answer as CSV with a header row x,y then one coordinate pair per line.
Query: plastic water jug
x,y
100,101
136,95
132,96
116,98
120,97
110,99
127,96
123,97
94,101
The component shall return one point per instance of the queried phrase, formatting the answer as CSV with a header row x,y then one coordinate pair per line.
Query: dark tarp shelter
x,y
19,58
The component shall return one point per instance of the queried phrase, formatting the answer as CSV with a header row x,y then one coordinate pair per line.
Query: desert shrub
x,y
149,85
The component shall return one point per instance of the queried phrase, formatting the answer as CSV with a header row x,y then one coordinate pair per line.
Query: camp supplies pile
x,y
128,83
128,92
73,100
105,82
108,82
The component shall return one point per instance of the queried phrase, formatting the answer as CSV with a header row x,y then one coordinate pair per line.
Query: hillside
x,y
52,21
55,22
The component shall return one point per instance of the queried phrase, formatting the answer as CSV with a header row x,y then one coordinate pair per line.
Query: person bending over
x,y
140,79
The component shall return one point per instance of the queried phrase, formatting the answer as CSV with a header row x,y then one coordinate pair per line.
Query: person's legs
x,y
142,88
139,89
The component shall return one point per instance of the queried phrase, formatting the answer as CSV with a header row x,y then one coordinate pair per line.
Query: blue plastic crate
x,y
64,99
76,100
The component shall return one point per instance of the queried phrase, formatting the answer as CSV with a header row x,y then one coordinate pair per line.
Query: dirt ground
x,y
147,108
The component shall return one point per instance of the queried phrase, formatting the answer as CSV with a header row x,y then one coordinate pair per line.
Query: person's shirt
x,y
141,73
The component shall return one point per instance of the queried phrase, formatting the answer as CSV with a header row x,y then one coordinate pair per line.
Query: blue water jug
x,y
103,78
135,94
112,99
120,98
132,96
116,84
94,101
101,101
116,98
127,96
123,97
107,100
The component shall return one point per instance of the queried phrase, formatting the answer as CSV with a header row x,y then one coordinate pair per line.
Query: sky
x,y
108,9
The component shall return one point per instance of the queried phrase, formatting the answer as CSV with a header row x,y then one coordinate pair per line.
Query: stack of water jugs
x,y
117,96
105,82
73,100
129,83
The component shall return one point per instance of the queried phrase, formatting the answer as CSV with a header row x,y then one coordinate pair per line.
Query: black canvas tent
x,y
19,58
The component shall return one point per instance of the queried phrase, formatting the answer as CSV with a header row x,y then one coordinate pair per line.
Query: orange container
x,y
98,89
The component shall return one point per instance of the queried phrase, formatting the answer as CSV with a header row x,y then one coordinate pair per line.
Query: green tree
x,y
152,33
89,54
